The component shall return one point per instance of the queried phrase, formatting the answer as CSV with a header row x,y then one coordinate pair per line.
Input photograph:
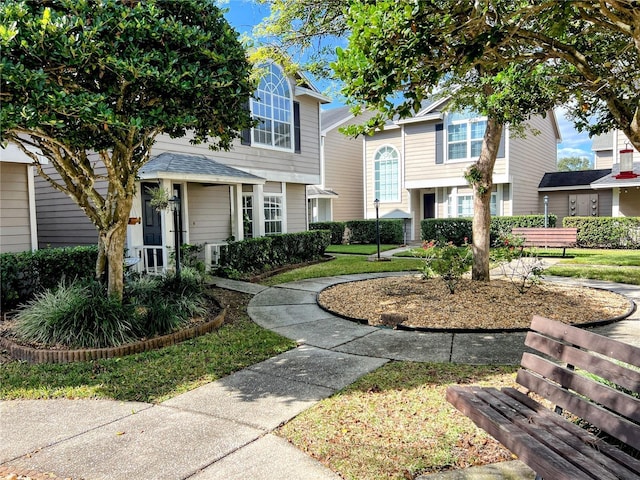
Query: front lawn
x,y
358,249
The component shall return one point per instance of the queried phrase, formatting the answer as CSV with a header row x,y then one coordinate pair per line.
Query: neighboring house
x,y
18,230
600,192
339,196
257,188
416,165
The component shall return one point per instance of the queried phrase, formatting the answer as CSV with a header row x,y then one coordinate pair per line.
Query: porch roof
x,y
610,181
573,180
195,168
314,191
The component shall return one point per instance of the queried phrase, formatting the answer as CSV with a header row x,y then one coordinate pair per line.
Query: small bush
x,y
80,315
447,261
256,255
24,274
364,231
606,232
336,228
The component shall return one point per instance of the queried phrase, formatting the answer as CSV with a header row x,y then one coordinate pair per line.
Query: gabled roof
x,y
571,180
194,168
610,181
314,191
334,117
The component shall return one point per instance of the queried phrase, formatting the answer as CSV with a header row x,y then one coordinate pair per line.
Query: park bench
x,y
547,237
561,370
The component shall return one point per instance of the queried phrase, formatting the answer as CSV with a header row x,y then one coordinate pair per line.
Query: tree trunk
x,y
480,177
113,241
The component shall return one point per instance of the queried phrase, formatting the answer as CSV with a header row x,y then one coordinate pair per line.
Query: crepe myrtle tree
x,y
90,84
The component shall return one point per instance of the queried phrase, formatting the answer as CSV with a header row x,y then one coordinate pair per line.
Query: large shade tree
x,y
89,85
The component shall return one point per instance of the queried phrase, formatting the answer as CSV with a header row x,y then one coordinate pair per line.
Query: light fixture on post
x,y
376,203
546,211
175,207
626,164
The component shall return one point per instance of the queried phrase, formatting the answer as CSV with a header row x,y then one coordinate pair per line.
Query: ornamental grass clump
x,y
448,261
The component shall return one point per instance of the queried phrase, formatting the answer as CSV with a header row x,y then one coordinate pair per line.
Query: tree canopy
x,y
572,164
90,84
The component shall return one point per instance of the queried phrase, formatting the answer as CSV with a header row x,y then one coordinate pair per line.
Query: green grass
x,y
358,249
151,376
395,423
344,265
619,266
630,275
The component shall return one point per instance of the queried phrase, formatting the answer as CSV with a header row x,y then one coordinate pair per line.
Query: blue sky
x,y
244,14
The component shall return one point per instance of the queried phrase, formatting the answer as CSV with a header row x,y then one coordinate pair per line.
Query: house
x,y
257,188
603,191
416,165
18,227
339,196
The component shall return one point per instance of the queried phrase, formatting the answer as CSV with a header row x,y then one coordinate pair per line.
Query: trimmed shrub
x,y
336,229
457,229
606,232
364,231
256,255
26,273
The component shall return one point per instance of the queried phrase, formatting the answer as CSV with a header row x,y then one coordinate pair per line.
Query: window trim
x,y
376,192
468,121
292,127
280,197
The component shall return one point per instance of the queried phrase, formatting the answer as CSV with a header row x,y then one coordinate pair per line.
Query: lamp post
x,y
175,207
546,211
376,203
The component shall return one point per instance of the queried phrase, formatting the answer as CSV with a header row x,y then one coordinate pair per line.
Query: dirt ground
x,y
474,305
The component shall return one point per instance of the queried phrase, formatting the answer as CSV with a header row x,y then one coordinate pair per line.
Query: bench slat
x,y
623,352
614,399
577,432
539,457
618,462
545,432
614,425
546,237
625,377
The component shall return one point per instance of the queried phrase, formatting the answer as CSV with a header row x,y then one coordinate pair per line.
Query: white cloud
x,y
574,143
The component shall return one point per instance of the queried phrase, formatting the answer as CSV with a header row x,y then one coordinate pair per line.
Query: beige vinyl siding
x,y
343,172
257,159
629,202
372,144
603,159
529,159
296,208
209,213
559,202
14,208
61,222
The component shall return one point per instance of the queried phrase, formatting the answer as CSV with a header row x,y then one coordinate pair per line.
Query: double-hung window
x,y
464,205
272,214
465,131
387,174
273,108
247,214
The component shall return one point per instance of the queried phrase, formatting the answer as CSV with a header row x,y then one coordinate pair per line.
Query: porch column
x,y
258,211
237,225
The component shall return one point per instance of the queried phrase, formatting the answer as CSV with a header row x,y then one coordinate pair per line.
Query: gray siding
x,y
559,202
296,208
530,158
61,222
14,208
209,213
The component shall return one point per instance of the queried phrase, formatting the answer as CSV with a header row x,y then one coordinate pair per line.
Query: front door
x,y
429,205
151,228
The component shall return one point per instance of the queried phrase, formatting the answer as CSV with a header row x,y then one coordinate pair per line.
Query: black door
x,y
151,227
429,205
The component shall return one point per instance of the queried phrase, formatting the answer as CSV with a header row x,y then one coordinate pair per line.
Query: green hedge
x,y
256,255
26,273
606,232
364,231
457,229
336,229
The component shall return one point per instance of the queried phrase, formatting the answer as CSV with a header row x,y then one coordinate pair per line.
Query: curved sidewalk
x,y
224,430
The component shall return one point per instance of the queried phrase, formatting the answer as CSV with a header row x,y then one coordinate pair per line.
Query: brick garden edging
x,y
37,355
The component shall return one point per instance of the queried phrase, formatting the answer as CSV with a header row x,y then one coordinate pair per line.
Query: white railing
x,y
153,259
212,253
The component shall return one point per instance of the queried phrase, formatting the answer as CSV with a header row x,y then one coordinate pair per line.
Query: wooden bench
x,y
555,447
547,237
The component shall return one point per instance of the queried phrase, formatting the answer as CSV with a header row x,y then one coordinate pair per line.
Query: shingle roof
x,y
315,191
572,179
333,116
196,166
602,142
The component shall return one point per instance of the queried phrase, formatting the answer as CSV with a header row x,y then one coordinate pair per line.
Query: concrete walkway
x,y
223,430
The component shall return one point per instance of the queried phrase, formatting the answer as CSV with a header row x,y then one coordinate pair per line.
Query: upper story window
x,y
273,108
465,131
387,174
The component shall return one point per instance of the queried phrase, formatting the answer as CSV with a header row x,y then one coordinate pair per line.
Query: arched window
x,y
273,108
387,174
